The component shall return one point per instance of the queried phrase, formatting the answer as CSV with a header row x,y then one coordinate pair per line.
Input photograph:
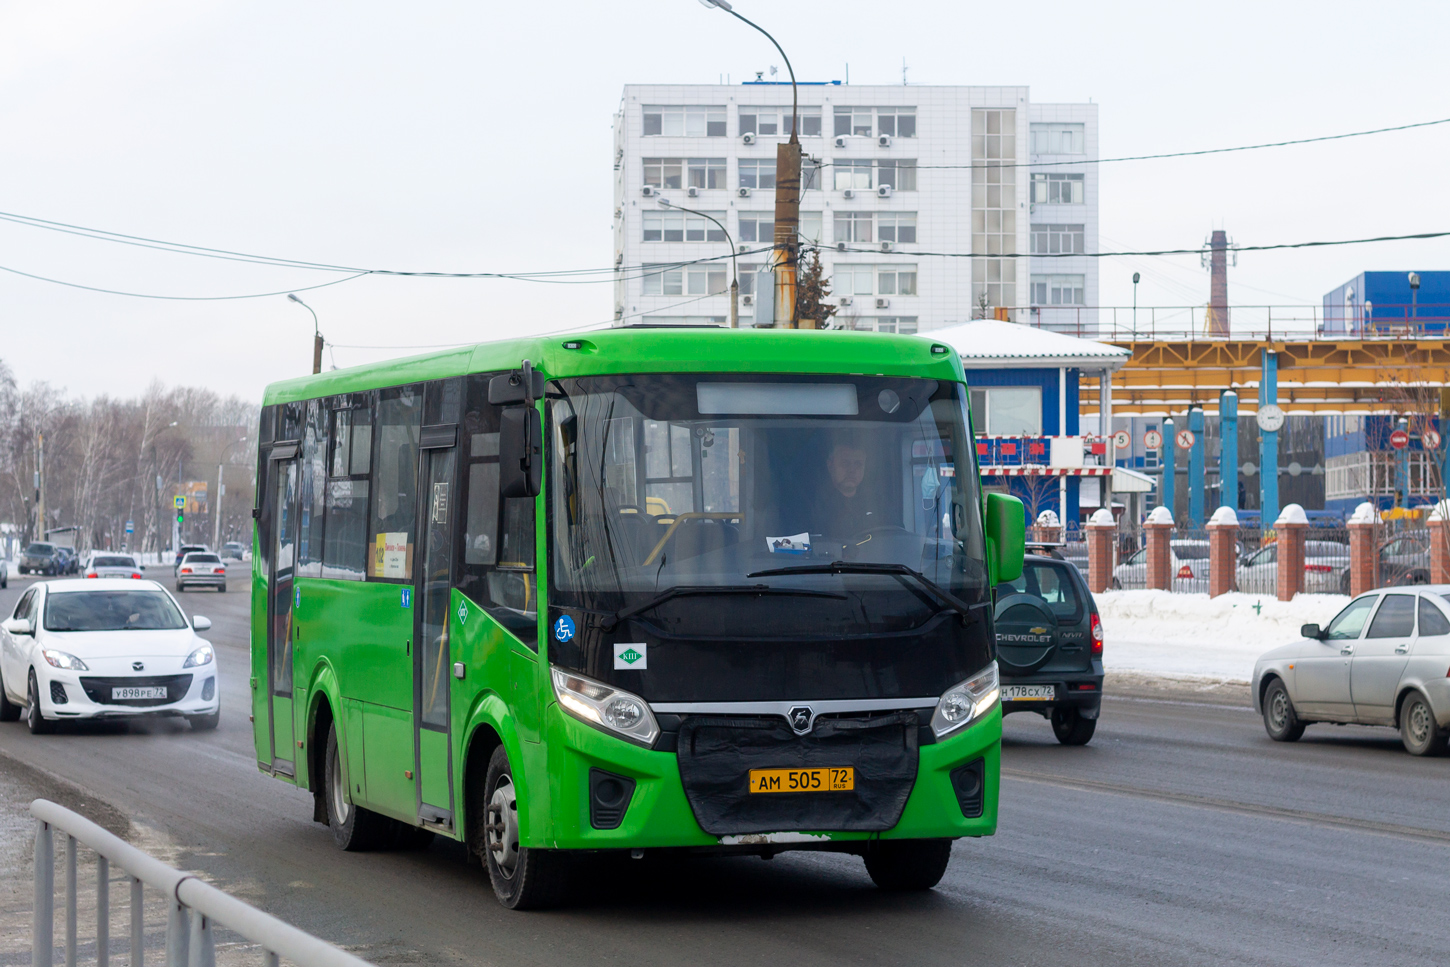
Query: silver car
x,y
105,564
1381,661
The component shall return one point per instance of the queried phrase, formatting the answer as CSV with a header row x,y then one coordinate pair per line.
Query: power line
x,y
178,298
1166,251
1185,154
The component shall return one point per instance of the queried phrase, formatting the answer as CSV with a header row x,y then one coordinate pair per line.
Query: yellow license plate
x,y
833,779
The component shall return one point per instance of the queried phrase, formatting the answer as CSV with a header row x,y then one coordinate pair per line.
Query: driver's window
x,y
22,609
1350,622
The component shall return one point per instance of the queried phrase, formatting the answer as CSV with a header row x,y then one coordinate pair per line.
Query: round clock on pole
x,y
1270,418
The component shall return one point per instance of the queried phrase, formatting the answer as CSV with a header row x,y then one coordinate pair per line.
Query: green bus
x,y
645,588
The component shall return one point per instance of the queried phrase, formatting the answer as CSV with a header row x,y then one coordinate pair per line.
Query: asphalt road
x,y
1181,835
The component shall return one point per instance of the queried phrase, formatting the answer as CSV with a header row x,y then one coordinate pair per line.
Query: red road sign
x,y
1399,439
1152,439
1121,440
1430,439
1185,439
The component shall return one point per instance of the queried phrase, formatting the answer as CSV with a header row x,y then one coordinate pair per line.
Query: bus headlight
x,y
605,707
966,702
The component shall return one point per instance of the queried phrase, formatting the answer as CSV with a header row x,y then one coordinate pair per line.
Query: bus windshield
x,y
705,481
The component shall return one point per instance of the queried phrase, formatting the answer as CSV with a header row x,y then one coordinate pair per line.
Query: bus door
x,y
282,541
433,669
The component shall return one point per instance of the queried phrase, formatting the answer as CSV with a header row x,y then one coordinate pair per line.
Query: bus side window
x,y
350,442
314,487
395,483
498,538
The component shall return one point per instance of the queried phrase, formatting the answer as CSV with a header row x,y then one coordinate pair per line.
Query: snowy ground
x,y
1193,635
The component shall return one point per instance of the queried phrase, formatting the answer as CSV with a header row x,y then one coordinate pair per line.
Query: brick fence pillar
x,y
1223,551
1440,543
1047,529
1102,533
1364,531
1289,534
1157,529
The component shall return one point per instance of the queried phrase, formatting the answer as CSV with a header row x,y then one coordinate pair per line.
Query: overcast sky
x,y
476,137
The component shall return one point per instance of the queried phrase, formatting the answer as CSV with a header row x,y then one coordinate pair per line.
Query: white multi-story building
x,y
929,205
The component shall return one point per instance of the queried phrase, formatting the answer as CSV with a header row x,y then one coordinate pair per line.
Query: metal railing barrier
x,y
194,907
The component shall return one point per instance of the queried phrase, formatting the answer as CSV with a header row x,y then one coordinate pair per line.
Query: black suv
x,y
40,557
1050,648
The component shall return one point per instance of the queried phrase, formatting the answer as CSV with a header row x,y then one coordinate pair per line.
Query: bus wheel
x,y
353,827
902,865
523,877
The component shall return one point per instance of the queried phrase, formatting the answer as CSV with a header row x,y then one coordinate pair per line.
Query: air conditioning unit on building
x,y
883,303
748,137
840,142
747,300
886,246
883,191
742,192
649,191
692,191
844,301
840,246
884,140
849,193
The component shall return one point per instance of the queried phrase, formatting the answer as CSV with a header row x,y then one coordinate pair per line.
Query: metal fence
x,y
1256,571
194,908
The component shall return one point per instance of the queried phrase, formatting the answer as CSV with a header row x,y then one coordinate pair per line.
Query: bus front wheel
x,y
902,865
523,877
353,828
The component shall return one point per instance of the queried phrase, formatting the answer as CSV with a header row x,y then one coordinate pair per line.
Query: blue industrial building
x,y
1385,302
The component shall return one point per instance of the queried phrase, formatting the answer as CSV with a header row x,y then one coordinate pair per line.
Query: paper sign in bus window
x,y
392,555
790,544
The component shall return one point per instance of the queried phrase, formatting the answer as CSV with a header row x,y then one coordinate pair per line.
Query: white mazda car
x,y
105,648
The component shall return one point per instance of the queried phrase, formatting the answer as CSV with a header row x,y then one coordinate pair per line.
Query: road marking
x,y
1232,806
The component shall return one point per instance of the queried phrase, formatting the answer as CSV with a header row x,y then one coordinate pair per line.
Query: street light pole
x,y
734,273
784,256
1136,277
316,335
1414,299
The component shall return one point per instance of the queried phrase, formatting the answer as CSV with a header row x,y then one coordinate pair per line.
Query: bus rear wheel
x,y
523,877
353,827
903,865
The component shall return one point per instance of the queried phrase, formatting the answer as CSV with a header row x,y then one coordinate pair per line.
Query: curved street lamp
x,y
787,186
734,273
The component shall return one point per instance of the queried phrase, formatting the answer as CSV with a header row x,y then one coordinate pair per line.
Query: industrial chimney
x,y
1216,321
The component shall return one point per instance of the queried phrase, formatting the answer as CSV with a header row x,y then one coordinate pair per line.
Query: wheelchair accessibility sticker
x,y
564,628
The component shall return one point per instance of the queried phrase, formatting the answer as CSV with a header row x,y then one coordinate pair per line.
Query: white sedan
x,y
105,648
1381,661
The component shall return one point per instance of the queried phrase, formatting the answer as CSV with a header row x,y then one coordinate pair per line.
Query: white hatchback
x,y
105,648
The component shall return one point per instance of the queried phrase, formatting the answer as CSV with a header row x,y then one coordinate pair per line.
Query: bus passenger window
x,y
395,483
347,540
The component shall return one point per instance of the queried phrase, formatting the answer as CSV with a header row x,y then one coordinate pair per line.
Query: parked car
x,y
1050,647
1380,661
1326,569
1189,566
1405,559
70,559
201,570
103,564
106,648
233,551
185,550
41,557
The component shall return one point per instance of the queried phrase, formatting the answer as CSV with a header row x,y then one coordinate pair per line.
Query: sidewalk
x,y
1158,633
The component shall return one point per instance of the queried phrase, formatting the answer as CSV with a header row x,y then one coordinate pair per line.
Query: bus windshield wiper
x,y
683,590
899,571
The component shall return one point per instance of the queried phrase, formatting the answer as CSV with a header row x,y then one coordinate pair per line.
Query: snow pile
x,y
1193,635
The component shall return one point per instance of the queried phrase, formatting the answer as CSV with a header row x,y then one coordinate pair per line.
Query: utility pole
x,y
40,486
784,258
216,513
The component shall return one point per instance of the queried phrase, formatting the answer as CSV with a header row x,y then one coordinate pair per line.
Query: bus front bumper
x,y
657,813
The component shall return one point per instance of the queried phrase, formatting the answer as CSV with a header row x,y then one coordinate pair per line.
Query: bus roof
x,y
650,350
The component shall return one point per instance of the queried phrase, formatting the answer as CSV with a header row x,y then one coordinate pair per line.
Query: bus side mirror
x,y
1006,526
520,452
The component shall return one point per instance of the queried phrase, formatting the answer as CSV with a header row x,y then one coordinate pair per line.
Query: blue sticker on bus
x,y
298,598
407,597
564,628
